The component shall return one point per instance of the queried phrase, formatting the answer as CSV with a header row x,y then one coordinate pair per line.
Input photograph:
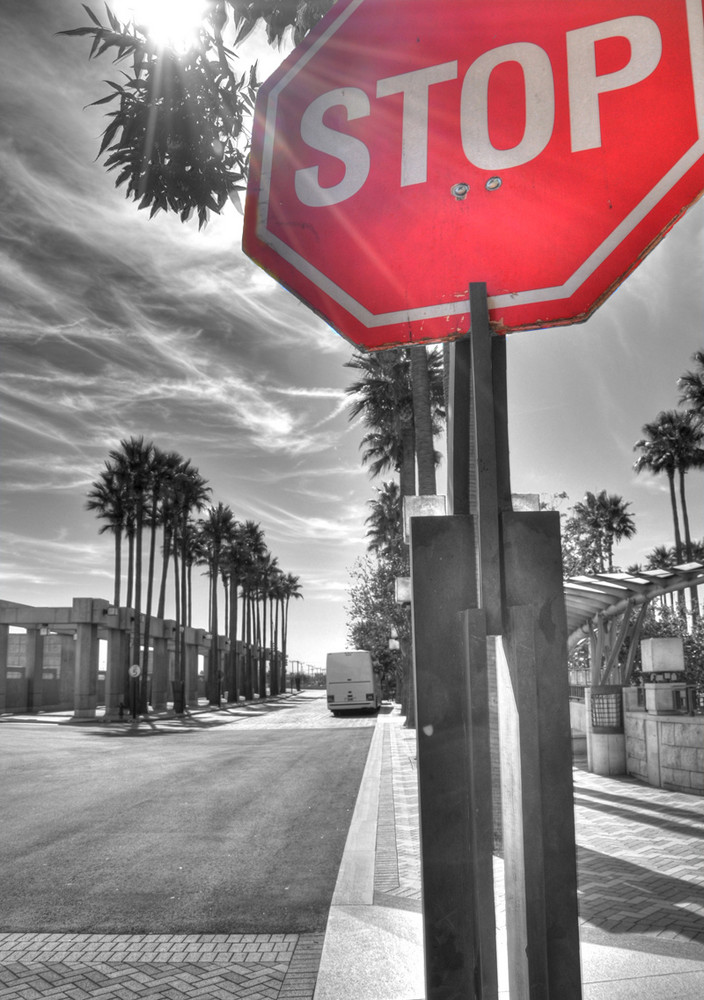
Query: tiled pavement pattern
x,y
640,858
397,863
640,850
168,966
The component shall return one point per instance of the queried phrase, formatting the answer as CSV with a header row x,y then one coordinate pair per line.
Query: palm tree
x,y
656,456
616,525
108,498
691,386
662,557
605,520
215,531
673,445
235,564
134,463
385,531
190,495
423,419
393,385
384,399
276,594
253,548
290,587
163,469
266,570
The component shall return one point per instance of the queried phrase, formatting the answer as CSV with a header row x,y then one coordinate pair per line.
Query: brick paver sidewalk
x,y
640,850
172,966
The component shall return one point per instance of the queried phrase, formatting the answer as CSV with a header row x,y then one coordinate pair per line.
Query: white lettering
x,y
414,135
350,150
584,84
540,107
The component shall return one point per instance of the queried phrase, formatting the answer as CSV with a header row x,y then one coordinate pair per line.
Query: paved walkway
x,y
641,894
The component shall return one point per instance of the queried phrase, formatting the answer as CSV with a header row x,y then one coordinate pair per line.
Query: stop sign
x,y
410,147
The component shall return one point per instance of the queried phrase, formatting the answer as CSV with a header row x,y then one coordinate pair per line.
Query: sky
x,y
113,325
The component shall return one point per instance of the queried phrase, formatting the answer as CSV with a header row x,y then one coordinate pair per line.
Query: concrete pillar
x,y
118,647
34,666
160,673
4,645
606,745
86,690
191,671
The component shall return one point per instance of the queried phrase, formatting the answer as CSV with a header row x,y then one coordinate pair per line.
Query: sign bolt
x,y
459,191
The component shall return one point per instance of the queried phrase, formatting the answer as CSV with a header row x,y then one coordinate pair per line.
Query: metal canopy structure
x,y
599,610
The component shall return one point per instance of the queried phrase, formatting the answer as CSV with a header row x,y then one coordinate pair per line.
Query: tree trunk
x,y
214,657
262,652
130,567
179,673
118,567
232,672
148,608
681,603
166,555
407,472
137,631
422,421
694,596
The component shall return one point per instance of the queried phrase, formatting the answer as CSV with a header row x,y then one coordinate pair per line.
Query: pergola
x,y
599,610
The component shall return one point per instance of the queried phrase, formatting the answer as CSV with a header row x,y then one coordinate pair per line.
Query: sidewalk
x,y
641,891
641,888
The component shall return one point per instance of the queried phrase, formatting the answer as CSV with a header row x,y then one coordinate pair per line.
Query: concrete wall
x,y
57,675
667,751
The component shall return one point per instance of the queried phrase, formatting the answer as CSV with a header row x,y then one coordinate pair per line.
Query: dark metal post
x,y
453,754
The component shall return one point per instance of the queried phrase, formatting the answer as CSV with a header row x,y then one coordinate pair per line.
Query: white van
x,y
351,682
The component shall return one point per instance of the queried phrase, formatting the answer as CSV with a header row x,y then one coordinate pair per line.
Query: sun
x,y
170,23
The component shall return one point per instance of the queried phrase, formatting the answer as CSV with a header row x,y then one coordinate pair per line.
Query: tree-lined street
x,y
213,825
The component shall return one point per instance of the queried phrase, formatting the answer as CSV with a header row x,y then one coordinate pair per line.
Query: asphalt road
x,y
236,827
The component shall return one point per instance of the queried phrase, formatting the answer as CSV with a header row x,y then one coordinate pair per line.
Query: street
x,y
235,822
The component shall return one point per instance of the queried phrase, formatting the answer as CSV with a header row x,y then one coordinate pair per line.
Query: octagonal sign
x,y
410,147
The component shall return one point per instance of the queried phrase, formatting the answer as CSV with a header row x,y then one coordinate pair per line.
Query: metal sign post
x,y
487,599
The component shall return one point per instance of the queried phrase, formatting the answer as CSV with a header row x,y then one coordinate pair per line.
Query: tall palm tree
x,y
215,531
387,395
235,565
253,548
133,459
164,466
656,456
266,569
108,498
673,444
276,593
384,400
290,588
191,493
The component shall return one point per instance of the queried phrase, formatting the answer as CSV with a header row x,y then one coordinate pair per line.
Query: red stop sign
x,y
409,147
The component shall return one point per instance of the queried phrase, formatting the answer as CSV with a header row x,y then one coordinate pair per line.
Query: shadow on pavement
x,y
624,898
633,811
